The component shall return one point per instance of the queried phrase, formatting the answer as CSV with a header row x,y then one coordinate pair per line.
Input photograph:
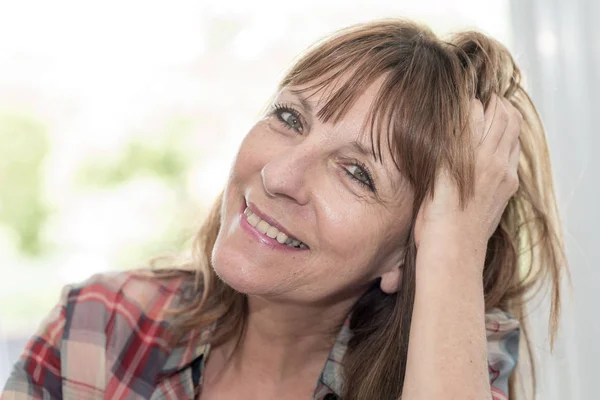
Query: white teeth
x,y
271,231
262,227
282,237
253,219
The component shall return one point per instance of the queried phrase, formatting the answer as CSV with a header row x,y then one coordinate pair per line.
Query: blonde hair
x,y
422,114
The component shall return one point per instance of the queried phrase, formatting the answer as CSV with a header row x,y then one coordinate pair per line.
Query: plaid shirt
x,y
108,338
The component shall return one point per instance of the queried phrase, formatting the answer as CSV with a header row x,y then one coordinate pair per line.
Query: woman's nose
x,y
288,175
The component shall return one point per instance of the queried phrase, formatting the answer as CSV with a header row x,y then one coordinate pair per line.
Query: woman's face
x,y
297,179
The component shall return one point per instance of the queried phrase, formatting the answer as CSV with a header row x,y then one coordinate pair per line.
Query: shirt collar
x,y
190,349
181,356
331,376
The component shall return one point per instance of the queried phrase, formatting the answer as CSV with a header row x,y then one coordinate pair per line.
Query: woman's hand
x,y
496,144
447,332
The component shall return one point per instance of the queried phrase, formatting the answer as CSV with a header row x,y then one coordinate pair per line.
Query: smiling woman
x,y
297,173
378,235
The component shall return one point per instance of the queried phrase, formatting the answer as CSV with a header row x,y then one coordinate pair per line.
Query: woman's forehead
x,y
335,93
358,121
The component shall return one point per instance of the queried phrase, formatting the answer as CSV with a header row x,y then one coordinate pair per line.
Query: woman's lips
x,y
255,210
261,237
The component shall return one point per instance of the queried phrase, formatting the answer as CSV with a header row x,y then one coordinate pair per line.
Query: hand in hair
x,y
448,323
495,138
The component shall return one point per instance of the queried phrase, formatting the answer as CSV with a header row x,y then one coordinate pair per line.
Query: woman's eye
x,y
291,120
360,174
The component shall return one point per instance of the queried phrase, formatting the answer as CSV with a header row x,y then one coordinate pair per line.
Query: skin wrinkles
x,y
301,100
359,147
297,179
297,300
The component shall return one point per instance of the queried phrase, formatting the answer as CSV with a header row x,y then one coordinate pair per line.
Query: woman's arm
x,y
447,356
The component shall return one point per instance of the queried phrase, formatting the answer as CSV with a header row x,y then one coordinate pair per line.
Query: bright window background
x,y
119,121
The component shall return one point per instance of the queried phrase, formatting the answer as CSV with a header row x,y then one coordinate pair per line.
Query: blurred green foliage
x,y
162,156
167,156
24,146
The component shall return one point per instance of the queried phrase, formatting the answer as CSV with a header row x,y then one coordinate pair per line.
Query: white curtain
x,y
4,358
557,44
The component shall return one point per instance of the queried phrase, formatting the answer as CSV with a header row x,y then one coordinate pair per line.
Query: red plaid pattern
x,y
108,338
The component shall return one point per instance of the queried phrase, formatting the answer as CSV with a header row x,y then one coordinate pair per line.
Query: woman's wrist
x,y
448,321
452,250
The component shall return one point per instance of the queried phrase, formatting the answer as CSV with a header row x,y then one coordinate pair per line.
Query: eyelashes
x,y
361,174
289,116
292,119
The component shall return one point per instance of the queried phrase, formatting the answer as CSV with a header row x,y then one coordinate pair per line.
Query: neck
x,y
284,342
295,335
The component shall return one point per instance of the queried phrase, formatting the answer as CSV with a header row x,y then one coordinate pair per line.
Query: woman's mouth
x,y
272,232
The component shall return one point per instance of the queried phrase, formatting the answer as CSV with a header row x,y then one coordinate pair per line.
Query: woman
x,y
376,239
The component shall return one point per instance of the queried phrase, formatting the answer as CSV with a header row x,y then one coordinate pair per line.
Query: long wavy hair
x,y
421,113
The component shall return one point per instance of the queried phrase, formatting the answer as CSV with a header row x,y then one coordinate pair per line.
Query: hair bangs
x,y
418,108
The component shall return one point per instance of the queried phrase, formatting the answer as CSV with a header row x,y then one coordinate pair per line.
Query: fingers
x,y
500,138
513,129
513,159
477,122
511,181
496,120
502,126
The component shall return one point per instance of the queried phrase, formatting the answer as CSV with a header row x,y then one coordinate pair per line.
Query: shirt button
x,y
330,396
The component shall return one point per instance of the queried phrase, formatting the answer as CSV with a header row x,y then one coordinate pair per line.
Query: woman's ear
x,y
391,280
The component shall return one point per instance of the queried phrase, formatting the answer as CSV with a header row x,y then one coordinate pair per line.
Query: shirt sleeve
x,y
502,333
37,373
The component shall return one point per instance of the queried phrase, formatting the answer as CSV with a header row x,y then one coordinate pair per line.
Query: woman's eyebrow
x,y
361,148
303,101
357,145
369,151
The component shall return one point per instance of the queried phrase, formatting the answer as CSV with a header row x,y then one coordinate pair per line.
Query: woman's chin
x,y
242,276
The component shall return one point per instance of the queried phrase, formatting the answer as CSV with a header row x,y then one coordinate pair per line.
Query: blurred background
x,y
119,121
